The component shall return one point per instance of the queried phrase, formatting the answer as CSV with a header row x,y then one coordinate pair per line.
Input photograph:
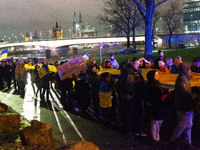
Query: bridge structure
x,y
52,44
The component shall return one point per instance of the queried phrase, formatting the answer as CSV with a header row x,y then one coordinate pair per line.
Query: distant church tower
x,y
80,30
77,26
81,21
57,32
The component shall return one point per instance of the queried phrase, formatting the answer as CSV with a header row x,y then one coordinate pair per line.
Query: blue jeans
x,y
184,126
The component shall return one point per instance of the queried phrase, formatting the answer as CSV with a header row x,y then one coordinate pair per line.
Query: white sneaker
x,y
136,133
143,134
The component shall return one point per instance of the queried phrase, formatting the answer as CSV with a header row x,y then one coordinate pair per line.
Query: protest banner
x,y
74,66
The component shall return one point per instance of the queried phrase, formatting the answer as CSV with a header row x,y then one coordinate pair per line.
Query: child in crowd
x,y
105,94
162,67
174,68
168,63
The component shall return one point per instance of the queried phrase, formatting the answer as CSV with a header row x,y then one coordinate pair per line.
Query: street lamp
x,y
22,37
156,38
77,39
110,30
41,34
70,33
13,37
49,33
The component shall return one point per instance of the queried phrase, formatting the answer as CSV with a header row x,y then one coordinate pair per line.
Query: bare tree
x,y
147,8
173,19
121,15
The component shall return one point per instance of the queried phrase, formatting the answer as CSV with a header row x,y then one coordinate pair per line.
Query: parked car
x,y
129,50
191,45
182,45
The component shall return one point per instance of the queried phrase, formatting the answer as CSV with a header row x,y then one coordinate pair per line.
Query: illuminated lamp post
x,y
13,37
22,37
49,33
41,34
156,38
77,39
70,33
94,31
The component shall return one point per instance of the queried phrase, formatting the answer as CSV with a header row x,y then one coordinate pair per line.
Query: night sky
x,y
22,16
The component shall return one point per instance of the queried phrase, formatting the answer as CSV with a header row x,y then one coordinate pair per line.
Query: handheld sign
x,y
74,66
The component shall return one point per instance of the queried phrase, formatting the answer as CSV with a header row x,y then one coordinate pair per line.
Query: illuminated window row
x,y
191,10
192,1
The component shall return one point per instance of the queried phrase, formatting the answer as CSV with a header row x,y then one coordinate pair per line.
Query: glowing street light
x,y
41,34
70,33
156,38
22,37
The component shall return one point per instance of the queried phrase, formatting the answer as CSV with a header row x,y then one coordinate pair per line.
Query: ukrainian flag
x,y
4,54
85,56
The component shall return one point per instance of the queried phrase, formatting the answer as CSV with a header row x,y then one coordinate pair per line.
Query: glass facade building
x,y
191,13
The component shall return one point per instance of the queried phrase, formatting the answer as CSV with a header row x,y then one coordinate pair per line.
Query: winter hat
x,y
21,62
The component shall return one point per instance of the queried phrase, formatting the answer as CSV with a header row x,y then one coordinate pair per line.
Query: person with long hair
x,y
154,91
103,64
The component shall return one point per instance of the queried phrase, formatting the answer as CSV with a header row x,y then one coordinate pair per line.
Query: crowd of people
x,y
140,104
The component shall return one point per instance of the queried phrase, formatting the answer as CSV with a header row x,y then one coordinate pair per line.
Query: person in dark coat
x,y
132,83
82,90
3,70
36,79
66,88
183,100
1,77
196,65
8,73
154,91
45,78
94,81
159,58
13,76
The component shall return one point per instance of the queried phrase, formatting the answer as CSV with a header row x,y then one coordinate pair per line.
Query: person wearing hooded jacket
x,y
20,76
113,61
36,79
44,75
183,99
13,75
153,97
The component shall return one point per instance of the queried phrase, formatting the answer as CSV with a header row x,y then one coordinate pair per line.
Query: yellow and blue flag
x,y
85,56
4,54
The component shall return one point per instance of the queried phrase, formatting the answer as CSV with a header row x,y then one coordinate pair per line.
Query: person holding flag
x,y
114,63
45,77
